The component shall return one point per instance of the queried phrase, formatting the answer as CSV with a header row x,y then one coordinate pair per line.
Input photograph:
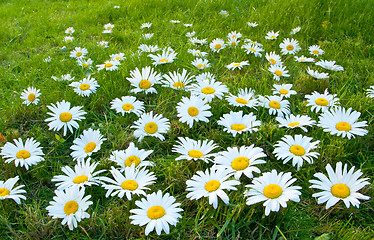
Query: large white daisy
x,y
277,106
245,97
127,104
195,150
237,123
7,190
145,80
151,125
209,89
87,143
293,121
193,109
132,155
30,95
322,102
177,80
85,87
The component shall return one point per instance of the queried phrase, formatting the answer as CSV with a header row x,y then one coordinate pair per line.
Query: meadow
x,y
35,30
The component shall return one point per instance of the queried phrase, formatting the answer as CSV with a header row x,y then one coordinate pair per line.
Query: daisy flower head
x,y
237,123
329,65
190,34
148,48
132,181
212,184
85,87
31,96
194,150
224,13
108,28
289,46
175,21
235,65
315,50
193,109
62,116
103,44
253,48
145,80
83,175
84,62
273,188
303,59
70,30
316,74
274,58
78,53
252,24
321,102
278,71
151,125
293,121
233,42
71,205
342,122
209,89
277,106
117,7
241,160
127,104
200,63
234,35
198,42
370,92
295,30
156,211
7,190
109,65
68,39
87,143
245,97
187,24
340,184
206,76
163,58
283,90
131,156
118,57
24,155
217,45
298,149
271,35
197,53
147,36
178,81
146,25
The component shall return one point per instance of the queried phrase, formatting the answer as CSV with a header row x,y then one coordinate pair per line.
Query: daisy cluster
x,y
225,169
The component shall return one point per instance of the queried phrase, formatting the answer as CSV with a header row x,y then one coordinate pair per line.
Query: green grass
x,y
33,30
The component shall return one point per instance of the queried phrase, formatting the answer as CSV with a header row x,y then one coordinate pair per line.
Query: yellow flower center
x,y
208,90
103,45
252,50
127,107
272,37
233,36
163,60
71,207
236,64
80,179
297,150
31,97
4,192
118,58
241,100
84,87
65,117
340,190
132,159
283,91
238,127
69,31
274,104
212,185
233,43
69,40
108,65
315,52
293,124
193,111
90,147
240,163
272,191
321,102
23,154
289,47
217,46
109,28
151,127
129,185
78,54
178,85
197,53
84,64
343,126
195,154
302,60
200,65
272,61
156,212
278,73
144,84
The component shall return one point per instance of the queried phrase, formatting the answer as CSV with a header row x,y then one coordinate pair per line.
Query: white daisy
x,y
147,35
26,155
273,58
145,80
132,155
127,104
252,24
209,89
118,56
237,123
68,39
217,45
146,25
245,97
289,46
293,121
148,48
187,24
272,35
84,62
303,59
103,44
277,106
322,102
163,58
205,76
252,48
193,109
85,87
316,74
370,92
198,42
295,30
316,50
235,65
197,53
66,77
278,71
330,65
234,35
151,125
69,30
177,80
175,21
7,190
194,150
233,42
78,53
284,90
247,40
109,65
190,34
200,63
224,13
108,28
30,95
87,143
48,59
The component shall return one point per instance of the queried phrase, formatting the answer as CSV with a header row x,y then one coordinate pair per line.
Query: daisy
x,y
148,48
109,65
316,50
151,125
274,58
217,45
83,175
274,189
67,77
85,87
252,24
78,53
277,105
295,30
84,62
87,143
211,183
163,58
177,81
322,102
194,150
157,212
209,89
103,44
245,97
272,35
223,13
298,149
233,42
71,205
30,95
148,35
70,30
145,80
234,35
133,181
146,25
118,57
342,122
197,53
289,46
26,155
370,92
190,34
253,42
127,104
68,39
108,28
316,74
235,65
62,116
193,109
187,25
278,71
175,21
339,185
132,155
206,76
237,123
241,160
330,65
303,59
283,90
200,63
293,121
198,42
254,49
7,190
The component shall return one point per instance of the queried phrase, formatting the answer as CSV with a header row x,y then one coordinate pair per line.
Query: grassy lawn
x,y
34,30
